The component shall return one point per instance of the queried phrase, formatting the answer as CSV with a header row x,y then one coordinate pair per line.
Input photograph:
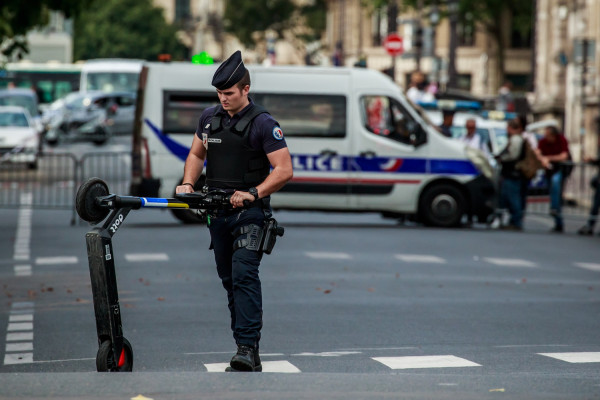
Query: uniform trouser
x,y
238,271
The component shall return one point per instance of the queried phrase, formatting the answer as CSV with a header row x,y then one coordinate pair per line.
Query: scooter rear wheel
x,y
105,361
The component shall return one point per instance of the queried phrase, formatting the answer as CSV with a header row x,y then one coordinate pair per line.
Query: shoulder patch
x,y
277,133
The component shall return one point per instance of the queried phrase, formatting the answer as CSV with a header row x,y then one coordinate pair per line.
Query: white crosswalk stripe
x,y
147,257
589,266
282,366
328,255
418,362
575,357
510,262
420,258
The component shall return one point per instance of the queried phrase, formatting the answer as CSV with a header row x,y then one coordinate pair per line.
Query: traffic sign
x,y
393,44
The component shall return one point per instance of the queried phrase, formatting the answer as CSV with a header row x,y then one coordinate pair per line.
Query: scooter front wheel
x,y
105,361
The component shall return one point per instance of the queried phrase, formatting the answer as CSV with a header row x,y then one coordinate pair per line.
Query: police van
x,y
357,143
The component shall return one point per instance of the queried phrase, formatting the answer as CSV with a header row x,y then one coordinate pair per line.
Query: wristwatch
x,y
254,192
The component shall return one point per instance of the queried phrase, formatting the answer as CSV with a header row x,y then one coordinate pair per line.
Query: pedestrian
x,y
533,142
554,150
511,177
473,139
416,89
448,119
505,100
240,141
588,228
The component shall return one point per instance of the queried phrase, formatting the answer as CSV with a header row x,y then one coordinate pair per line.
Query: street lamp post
x,y
452,75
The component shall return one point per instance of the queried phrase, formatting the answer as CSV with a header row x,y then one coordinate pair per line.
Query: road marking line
x,y
56,260
329,353
268,366
510,262
19,336
588,266
26,346
22,270
328,255
144,257
18,358
413,362
20,317
20,326
422,258
21,304
23,234
575,357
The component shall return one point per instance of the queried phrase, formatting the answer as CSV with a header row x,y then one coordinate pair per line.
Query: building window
x,y
182,10
464,81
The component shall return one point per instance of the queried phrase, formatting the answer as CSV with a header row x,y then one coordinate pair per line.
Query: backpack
x,y
529,163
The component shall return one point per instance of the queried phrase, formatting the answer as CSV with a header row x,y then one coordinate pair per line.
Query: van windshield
x,y
112,81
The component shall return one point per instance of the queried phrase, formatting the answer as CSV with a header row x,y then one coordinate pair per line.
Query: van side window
x,y
182,110
384,116
301,115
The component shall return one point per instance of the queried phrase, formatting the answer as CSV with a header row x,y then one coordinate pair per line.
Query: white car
x,y
19,138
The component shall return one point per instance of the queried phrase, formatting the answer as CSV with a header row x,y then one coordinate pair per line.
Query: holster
x,y
257,238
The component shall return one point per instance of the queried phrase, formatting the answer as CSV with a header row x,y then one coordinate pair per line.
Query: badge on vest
x,y
205,140
277,133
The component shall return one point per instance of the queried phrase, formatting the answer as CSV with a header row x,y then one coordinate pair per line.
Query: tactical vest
x,y
230,161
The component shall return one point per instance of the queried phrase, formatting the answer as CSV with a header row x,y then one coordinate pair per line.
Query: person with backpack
x,y
532,161
511,177
554,149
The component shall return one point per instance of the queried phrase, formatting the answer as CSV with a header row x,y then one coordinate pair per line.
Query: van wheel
x,y
442,205
190,216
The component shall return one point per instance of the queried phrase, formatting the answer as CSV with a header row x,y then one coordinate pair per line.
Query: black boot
x,y
586,230
246,359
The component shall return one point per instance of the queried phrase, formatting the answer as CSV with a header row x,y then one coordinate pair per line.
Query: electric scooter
x,y
93,204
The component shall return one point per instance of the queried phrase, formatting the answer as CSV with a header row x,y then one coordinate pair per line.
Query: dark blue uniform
x,y
239,268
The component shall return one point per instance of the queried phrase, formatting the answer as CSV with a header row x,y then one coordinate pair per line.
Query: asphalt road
x,y
355,306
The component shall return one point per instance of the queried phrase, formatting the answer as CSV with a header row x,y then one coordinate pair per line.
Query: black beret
x,y
230,72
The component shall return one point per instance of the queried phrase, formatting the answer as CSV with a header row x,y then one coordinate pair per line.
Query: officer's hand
x,y
237,198
184,189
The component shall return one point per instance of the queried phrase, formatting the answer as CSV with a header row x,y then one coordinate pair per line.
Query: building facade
x,y
360,31
567,84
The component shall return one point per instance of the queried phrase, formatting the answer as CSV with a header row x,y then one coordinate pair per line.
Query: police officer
x,y
240,141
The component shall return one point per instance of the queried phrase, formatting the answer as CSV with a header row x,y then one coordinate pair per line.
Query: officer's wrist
x,y
254,192
187,183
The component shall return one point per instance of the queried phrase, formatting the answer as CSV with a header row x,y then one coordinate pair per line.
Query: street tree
x,y
17,17
249,20
125,29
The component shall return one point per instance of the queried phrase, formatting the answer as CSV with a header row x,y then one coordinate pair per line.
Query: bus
x,y
50,81
357,143
110,75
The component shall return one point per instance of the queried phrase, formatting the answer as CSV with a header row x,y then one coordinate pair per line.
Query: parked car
x,y
19,138
94,116
25,98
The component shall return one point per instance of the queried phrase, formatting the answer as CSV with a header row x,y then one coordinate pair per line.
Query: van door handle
x,y
328,153
367,154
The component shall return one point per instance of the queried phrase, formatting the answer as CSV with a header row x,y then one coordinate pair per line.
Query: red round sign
x,y
393,44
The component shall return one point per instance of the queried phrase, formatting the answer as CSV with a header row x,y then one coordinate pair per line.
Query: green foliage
x,y
125,29
17,17
315,17
243,18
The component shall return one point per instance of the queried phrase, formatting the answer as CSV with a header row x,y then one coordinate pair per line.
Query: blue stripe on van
x,y
318,163
179,150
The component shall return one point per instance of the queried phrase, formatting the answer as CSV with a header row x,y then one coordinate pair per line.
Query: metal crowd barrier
x,y
53,184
